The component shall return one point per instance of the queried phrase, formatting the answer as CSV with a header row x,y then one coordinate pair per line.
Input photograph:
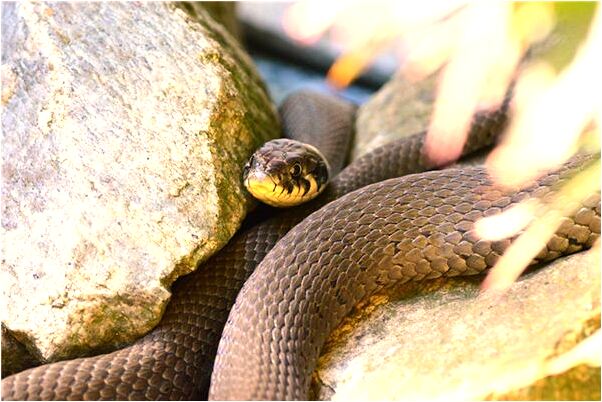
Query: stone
x,y
399,109
126,126
442,340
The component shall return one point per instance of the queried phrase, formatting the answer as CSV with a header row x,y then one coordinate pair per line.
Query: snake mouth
x,y
272,192
259,184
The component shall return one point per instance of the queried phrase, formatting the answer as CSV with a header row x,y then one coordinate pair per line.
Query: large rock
x,y
125,126
441,340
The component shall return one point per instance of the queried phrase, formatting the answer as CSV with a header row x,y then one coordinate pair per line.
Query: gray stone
x,y
400,108
126,126
442,340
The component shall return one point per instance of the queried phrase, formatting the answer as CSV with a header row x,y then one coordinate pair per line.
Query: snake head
x,y
285,173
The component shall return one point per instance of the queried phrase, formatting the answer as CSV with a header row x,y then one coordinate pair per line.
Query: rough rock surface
x,y
400,108
125,130
441,340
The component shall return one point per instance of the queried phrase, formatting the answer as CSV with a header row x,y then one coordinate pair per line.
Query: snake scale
x,y
297,289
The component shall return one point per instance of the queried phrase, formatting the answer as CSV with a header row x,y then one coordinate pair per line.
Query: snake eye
x,y
296,170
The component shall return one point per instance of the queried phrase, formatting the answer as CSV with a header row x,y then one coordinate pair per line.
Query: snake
x,y
249,323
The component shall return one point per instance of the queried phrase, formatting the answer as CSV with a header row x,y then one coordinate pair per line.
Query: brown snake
x,y
409,228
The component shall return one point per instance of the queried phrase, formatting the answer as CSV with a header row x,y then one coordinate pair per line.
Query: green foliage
x,y
573,20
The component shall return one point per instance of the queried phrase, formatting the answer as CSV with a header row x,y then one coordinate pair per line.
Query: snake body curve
x,y
176,359
410,228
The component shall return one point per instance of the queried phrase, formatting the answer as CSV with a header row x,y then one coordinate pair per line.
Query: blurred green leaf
x,y
573,21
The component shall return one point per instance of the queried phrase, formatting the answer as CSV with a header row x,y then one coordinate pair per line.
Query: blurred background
x,y
288,63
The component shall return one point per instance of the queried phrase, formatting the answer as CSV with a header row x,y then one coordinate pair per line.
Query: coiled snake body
x,y
408,228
